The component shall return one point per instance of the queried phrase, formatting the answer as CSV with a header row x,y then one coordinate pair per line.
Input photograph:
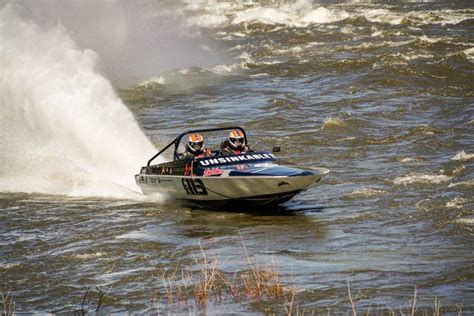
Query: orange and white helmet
x,y
236,139
195,143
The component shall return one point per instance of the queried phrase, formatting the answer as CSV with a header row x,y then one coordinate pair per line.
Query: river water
x,y
382,95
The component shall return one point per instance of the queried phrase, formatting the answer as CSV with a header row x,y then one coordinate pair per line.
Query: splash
x,y
64,130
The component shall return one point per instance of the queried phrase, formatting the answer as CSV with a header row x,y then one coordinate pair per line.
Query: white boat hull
x,y
252,179
224,190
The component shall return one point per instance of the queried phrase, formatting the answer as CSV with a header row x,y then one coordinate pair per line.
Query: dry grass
x,y
409,310
184,287
7,303
94,302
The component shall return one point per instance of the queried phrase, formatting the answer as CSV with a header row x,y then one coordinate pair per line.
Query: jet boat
x,y
251,179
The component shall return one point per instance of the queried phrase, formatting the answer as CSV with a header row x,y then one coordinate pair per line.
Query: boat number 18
x,y
194,186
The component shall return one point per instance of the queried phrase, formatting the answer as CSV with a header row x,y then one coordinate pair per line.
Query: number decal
x,y
194,186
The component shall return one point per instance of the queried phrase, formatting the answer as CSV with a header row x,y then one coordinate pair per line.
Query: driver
x,y
195,148
236,144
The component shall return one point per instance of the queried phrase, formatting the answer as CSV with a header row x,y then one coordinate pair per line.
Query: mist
x,y
134,39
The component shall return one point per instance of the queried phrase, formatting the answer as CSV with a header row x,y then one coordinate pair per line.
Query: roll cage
x,y
177,140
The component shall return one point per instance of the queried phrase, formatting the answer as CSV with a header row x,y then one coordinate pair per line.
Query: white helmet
x,y
195,143
237,139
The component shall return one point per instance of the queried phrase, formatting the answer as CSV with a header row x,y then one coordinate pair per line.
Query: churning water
x,y
381,94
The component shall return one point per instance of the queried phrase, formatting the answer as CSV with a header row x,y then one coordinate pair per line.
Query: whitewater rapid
x,y
63,128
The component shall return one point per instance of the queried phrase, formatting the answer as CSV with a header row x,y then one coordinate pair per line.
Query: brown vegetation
x,y
7,303
212,285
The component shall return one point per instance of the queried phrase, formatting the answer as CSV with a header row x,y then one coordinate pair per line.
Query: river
x,y
380,94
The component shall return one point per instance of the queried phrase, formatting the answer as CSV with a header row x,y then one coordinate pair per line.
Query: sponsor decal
x,y
233,159
194,186
153,180
187,169
212,172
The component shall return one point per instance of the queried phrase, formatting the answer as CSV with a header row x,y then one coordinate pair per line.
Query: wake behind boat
x,y
248,179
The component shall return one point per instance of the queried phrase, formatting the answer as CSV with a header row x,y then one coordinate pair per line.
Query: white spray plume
x,y
63,130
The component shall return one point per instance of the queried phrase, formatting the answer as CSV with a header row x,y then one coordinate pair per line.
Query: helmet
x,y
195,143
236,139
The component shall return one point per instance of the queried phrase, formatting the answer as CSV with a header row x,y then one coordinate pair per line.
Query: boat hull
x,y
249,191
255,179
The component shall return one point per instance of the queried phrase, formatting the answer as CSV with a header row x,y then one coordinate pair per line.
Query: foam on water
x,y
224,69
333,122
63,129
88,256
323,15
463,184
469,53
302,13
421,178
444,17
383,16
457,202
299,13
409,159
367,192
467,221
462,156
153,80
